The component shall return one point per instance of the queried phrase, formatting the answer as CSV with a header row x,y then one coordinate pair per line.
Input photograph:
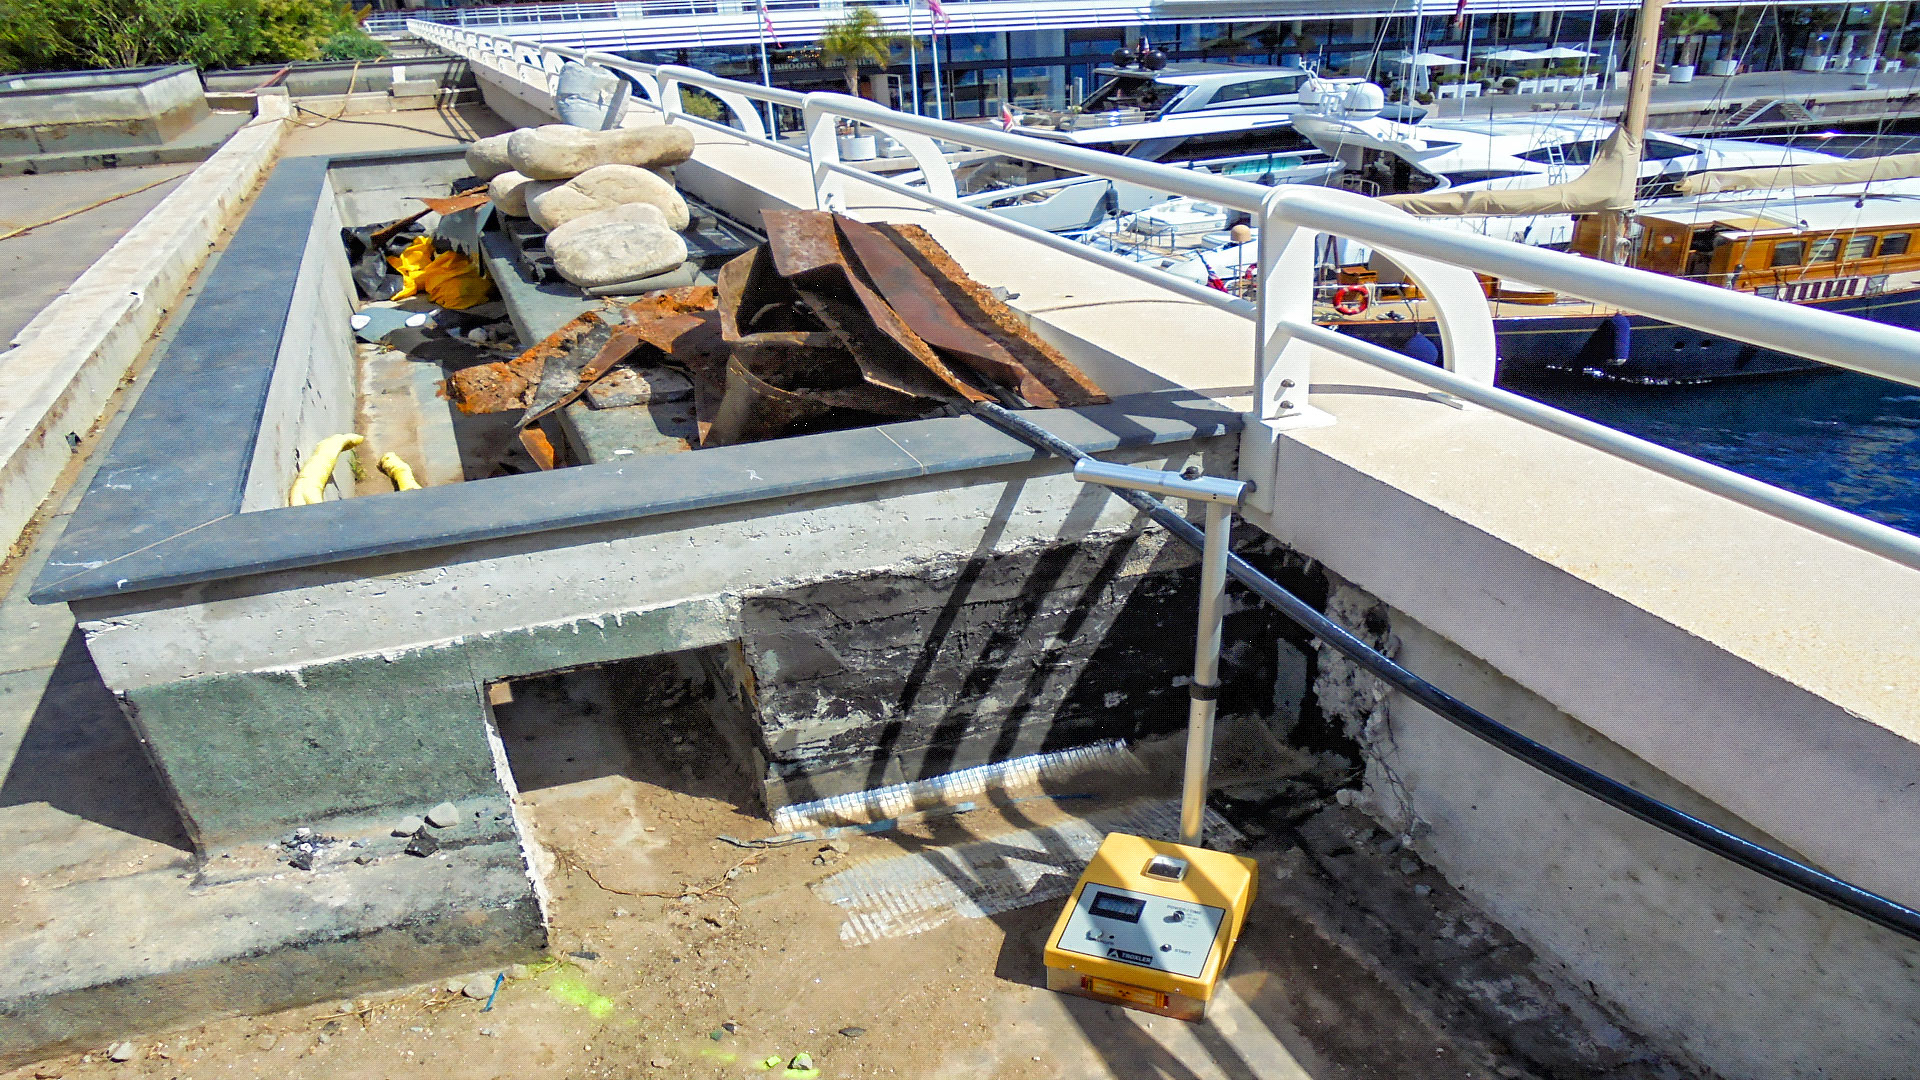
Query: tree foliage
x,y
56,35
858,38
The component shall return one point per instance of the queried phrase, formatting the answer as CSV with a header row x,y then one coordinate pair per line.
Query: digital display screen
x,y
1122,908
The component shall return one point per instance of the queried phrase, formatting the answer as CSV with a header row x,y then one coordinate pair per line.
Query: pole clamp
x,y
1202,692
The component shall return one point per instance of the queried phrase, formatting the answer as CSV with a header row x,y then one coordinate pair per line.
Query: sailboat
x,y
1840,238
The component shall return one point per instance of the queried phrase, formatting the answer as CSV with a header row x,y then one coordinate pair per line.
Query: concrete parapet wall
x,y
100,110
312,392
1753,979
66,362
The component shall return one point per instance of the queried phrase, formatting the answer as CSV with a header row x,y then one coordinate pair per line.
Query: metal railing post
x,y
823,151
1282,369
1204,692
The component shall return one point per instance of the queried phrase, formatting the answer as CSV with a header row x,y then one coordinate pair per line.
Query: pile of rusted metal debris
x,y
831,324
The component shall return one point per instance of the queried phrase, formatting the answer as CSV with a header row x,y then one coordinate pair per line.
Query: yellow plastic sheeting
x,y
399,472
311,481
450,279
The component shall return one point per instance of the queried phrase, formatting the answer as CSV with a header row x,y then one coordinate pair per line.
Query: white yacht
x,y
1230,119
1385,156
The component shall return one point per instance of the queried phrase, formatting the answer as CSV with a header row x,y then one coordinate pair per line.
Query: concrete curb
x,y
66,362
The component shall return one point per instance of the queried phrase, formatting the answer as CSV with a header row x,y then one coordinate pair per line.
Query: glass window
x,y
1895,244
1826,250
1859,247
1028,44
1256,88
1662,150
1573,153
956,48
1789,253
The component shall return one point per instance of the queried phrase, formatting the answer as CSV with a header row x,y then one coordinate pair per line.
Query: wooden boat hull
x,y
1631,348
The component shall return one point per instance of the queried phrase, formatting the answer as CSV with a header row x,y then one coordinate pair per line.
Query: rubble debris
x,y
625,386
448,278
562,151
480,987
506,385
304,847
408,826
453,204
603,187
120,1051
853,1032
444,816
423,844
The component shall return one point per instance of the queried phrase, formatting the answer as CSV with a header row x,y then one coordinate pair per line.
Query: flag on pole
x,y
766,23
1459,13
1006,117
940,16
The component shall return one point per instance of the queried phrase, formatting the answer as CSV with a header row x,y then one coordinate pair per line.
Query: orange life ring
x,y
1350,299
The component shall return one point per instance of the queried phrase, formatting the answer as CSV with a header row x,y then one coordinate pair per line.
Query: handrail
x,y
1788,871
1290,220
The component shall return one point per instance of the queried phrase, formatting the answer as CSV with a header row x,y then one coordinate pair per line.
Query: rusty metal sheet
x,y
778,382
687,298
538,446
560,375
807,243
665,332
453,204
927,313
619,345
503,386
753,299
989,315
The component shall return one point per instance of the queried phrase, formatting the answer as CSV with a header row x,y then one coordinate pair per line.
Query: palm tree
x,y
1686,25
856,39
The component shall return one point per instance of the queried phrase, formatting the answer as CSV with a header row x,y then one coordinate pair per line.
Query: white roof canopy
x,y
1425,59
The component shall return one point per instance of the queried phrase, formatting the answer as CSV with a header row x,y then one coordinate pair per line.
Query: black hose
x,y
1790,872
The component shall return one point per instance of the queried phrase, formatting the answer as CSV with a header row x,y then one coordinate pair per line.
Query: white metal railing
x,y
1290,221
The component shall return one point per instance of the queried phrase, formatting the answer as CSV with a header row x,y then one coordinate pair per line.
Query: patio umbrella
x,y
1561,52
1514,54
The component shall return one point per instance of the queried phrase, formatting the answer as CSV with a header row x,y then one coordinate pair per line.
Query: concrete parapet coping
x,y
65,362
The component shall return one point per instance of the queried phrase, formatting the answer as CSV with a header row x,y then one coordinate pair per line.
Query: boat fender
x,y
1622,338
1421,347
1350,299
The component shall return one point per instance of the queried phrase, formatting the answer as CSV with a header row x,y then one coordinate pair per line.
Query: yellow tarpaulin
x,y
450,280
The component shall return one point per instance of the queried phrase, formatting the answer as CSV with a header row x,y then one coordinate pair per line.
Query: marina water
x,y
1851,441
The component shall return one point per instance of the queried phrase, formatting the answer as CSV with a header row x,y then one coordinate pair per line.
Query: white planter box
x,y
1863,66
1680,73
1724,68
1529,86
1891,65
1814,63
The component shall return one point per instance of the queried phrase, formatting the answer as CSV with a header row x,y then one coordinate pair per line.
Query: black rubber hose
x,y
1789,872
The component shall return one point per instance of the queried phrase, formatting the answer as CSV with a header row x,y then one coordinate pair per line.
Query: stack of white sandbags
x,y
606,198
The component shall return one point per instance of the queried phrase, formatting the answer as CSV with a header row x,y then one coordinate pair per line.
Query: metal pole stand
x,y
1222,497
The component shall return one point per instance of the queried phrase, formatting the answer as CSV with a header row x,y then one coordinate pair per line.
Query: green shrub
x,y
54,35
352,44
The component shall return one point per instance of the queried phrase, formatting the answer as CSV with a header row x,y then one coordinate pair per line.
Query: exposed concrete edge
x,y
277,941
70,357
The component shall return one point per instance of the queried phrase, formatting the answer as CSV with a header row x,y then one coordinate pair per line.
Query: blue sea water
x,y
1849,440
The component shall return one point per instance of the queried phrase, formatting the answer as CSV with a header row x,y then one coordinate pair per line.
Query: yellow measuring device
x,y
1152,924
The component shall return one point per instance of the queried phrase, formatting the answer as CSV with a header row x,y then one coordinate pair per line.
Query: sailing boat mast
x,y
1633,120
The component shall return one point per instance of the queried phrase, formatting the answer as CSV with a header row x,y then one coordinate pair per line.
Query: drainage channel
x,y
1818,884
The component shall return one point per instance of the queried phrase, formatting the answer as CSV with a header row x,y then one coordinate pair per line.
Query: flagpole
x,y
1467,55
766,73
939,99
913,57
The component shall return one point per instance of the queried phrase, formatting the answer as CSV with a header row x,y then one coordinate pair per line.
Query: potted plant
x,y
1509,85
1685,26
1530,80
